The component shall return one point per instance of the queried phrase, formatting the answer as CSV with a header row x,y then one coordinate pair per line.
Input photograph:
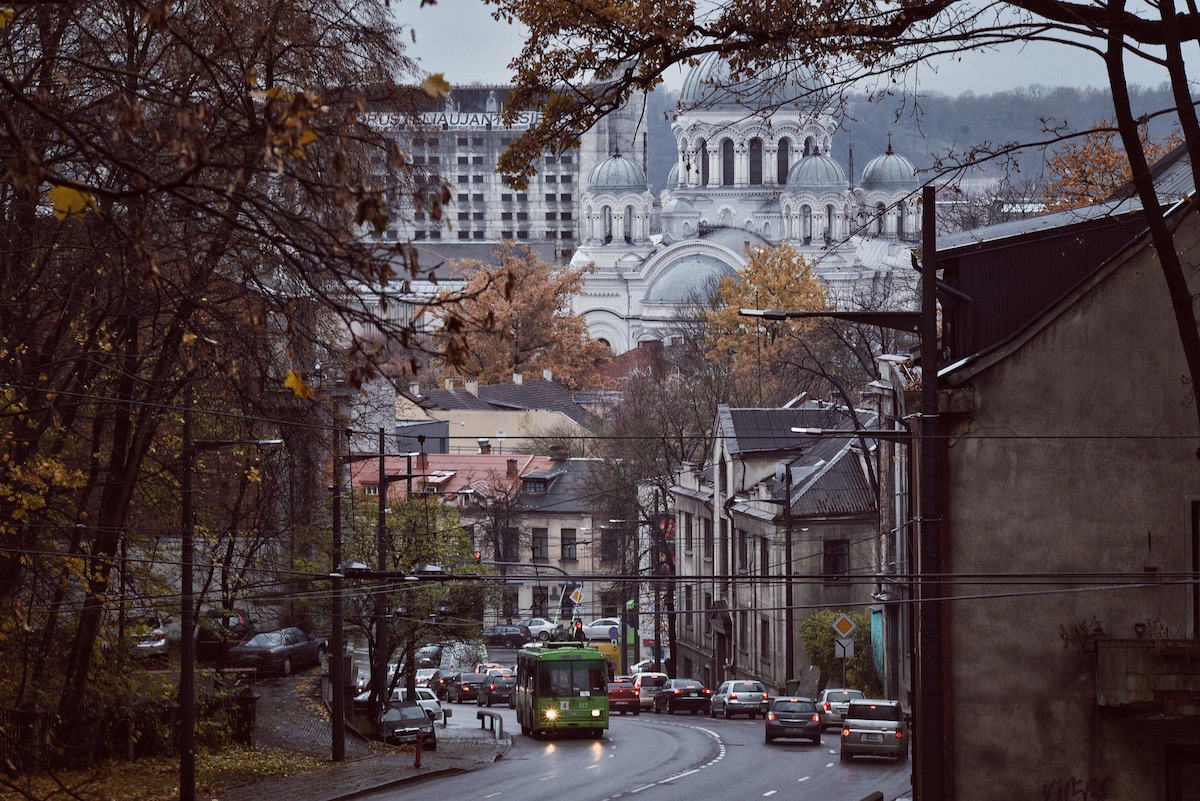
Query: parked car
x,y
432,678
153,635
601,628
648,685
679,695
623,697
497,690
280,651
740,697
404,721
463,687
424,698
874,727
505,636
834,702
540,628
221,629
793,717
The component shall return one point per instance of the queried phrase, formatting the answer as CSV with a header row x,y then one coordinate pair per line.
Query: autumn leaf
x,y
70,202
6,16
436,85
296,384
251,76
189,339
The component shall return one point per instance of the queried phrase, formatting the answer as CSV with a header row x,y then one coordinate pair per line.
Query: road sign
x,y
577,596
843,648
614,633
843,626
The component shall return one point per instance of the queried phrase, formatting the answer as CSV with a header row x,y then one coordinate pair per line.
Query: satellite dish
x,y
500,433
779,471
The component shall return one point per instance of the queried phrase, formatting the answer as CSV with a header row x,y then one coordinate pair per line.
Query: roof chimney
x,y
449,384
560,453
472,387
548,375
484,445
512,467
414,389
517,378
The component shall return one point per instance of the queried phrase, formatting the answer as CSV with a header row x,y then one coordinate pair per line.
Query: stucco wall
x,y
1070,463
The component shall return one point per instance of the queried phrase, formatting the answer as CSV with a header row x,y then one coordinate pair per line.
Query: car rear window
x,y
748,686
844,695
874,712
794,706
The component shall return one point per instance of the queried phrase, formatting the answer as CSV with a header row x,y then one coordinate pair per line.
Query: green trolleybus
x,y
562,687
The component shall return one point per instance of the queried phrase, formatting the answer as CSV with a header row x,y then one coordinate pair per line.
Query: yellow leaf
x,y
6,16
189,339
296,384
70,202
251,76
309,136
435,85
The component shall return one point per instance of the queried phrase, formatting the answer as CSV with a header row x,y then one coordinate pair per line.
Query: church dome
x,y
678,205
709,87
673,176
889,171
617,174
691,275
817,171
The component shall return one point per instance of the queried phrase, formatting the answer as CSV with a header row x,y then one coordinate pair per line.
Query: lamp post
x,y
187,645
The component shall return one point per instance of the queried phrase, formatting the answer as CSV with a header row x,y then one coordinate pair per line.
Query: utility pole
x,y
379,677
789,622
187,642
337,672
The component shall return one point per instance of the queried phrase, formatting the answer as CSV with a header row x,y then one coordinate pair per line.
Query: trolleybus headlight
x,y
551,714
595,713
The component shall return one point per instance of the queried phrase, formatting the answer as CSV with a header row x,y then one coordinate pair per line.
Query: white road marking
x,y
769,793
804,778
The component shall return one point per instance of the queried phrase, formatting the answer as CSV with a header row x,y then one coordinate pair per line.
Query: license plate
x,y
792,731
872,738
691,693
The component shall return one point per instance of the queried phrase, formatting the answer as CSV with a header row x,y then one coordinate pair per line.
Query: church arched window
x,y
901,219
880,216
628,224
608,224
756,159
829,216
703,163
783,161
806,224
726,162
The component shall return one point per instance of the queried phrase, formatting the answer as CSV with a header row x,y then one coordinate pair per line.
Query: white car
x,y
539,627
426,699
601,628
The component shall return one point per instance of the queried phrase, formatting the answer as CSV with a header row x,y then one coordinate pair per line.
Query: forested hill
x,y
939,124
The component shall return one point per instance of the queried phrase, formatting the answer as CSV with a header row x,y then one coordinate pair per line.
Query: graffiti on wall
x,y
1075,789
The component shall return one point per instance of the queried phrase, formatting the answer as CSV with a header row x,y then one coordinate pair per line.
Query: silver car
x,y
874,727
740,697
833,703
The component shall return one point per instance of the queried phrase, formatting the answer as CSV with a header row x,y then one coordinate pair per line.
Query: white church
x,y
742,179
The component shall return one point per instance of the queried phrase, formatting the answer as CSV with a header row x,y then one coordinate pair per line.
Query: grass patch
x,y
157,778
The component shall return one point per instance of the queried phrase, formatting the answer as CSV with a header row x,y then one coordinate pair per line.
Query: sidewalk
x,y
291,717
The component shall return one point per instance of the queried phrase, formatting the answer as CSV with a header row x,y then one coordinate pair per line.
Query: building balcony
x,y
1148,678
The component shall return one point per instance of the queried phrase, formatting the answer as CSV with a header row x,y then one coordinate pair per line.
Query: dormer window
x,y
535,486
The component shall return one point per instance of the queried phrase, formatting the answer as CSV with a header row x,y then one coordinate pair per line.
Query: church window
x,y
783,161
628,224
704,164
726,162
829,232
608,225
756,165
806,224
880,213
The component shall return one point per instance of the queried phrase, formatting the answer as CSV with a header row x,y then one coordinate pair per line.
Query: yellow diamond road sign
x,y
578,596
843,626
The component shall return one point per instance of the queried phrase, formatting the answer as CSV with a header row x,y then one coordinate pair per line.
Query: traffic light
x,y
478,557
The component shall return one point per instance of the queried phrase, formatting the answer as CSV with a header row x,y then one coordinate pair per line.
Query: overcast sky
x,y
459,39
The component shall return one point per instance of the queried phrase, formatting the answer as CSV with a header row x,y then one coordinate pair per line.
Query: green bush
x,y
818,636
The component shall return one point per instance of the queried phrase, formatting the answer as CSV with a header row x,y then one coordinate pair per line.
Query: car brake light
x,y
707,691
899,734
733,696
816,718
846,732
771,716
764,696
825,706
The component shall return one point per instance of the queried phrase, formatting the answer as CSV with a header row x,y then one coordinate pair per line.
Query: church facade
x,y
742,178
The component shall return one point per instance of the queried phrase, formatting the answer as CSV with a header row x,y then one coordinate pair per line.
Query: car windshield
x,y
874,712
426,673
268,639
792,705
405,713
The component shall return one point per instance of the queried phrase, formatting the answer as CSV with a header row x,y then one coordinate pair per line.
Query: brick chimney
x,y
484,445
512,467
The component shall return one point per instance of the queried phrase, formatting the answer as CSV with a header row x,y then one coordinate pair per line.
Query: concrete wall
x,y
1079,457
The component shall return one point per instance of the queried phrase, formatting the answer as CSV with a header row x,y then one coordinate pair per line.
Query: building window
x,y
565,179
370,491
463,160
551,197
708,538
837,560
477,234
435,160
512,603
522,197
522,234
564,160
506,197
435,234
540,604
506,215
550,216
476,179
743,624
462,215
552,235
688,542
541,545
610,545
464,179
522,215
568,544
704,613
478,215
550,179
510,544
565,197
477,141
477,197
463,141
743,550
566,215
688,610
764,640
464,234
764,557
550,159
419,235
506,234
566,235
477,160
462,197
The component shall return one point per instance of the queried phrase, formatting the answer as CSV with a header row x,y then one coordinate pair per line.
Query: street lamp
x,y
187,645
